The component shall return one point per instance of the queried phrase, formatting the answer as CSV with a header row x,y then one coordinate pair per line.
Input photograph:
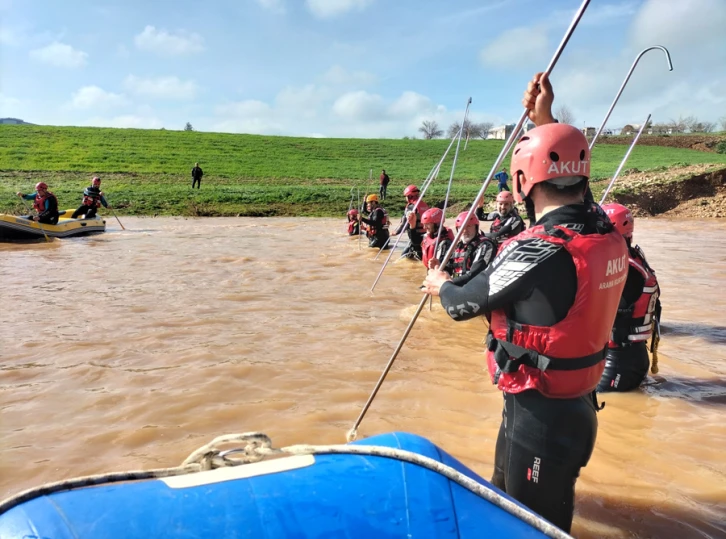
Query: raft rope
x,y
258,446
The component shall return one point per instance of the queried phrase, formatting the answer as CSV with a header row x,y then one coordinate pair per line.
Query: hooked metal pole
x,y
429,180
451,176
353,432
625,159
625,82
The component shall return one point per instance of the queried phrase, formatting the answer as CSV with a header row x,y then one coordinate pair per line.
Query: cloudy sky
x,y
350,68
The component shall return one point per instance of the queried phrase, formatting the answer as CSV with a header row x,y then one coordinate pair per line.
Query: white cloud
x,y
93,97
138,122
331,8
517,48
590,79
161,87
411,104
167,44
60,55
340,76
359,106
313,110
276,6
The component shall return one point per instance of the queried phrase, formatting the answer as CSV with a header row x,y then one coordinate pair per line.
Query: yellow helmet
x,y
372,198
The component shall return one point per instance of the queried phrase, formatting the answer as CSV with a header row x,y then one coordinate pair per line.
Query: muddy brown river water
x,y
131,349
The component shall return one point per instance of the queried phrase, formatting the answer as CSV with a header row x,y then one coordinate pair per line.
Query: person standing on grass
x,y
197,174
502,178
384,184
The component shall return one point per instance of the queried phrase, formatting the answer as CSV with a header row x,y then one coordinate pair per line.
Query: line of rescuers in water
x,y
571,303
638,316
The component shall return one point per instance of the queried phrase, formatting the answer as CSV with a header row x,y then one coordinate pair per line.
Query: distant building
x,y
12,121
503,132
589,131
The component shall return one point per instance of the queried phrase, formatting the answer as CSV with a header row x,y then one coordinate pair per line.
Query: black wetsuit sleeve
x,y
511,227
374,219
530,268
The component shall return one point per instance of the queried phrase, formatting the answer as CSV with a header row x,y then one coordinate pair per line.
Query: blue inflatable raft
x,y
378,493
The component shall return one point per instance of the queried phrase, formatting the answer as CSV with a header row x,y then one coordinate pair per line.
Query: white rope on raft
x,y
259,446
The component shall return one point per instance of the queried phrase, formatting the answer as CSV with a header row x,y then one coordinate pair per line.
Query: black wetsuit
x,y
377,220
509,225
476,256
415,235
536,429
626,366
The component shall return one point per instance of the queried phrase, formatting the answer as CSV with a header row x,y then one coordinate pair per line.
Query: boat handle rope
x,y
258,446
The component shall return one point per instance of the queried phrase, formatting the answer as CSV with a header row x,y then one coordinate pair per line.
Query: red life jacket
x,y
353,227
463,257
638,324
564,360
92,197
39,202
498,223
429,243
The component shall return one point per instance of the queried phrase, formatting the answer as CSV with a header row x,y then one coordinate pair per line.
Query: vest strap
x,y
509,357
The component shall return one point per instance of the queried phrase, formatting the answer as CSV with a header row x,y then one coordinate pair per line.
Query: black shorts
x,y
625,368
541,447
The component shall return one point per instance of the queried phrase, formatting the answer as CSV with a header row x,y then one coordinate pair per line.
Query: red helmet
x,y
41,185
96,179
473,220
410,190
353,213
546,153
505,196
621,217
433,215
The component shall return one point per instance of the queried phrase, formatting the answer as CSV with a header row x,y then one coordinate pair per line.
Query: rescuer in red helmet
x,y
638,318
412,215
431,254
45,203
507,222
551,295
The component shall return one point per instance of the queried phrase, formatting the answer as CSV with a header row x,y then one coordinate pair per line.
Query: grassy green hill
x,y
147,172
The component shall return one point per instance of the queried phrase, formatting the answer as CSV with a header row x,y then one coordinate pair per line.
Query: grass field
x,y
147,172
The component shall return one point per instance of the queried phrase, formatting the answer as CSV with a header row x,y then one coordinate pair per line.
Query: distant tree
x,y
722,121
471,130
564,115
703,127
188,127
484,128
430,129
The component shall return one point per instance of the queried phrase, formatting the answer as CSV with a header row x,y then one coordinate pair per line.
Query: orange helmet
x,y
546,153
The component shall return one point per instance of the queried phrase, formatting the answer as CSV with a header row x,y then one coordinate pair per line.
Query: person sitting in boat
x,y
92,200
507,222
412,216
474,251
638,318
377,221
45,203
551,296
353,223
432,220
